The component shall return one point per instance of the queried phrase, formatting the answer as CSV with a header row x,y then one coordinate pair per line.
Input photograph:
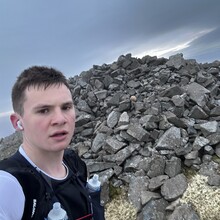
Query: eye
x,y
43,111
67,107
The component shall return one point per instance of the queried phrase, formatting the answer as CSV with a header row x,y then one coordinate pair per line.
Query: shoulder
x,y
23,173
9,187
9,183
7,177
13,161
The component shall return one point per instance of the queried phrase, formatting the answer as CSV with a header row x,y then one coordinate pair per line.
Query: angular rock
x,y
170,140
94,166
83,119
138,132
173,167
113,145
147,196
112,119
197,93
101,94
124,105
83,106
98,142
132,164
156,166
121,155
200,142
198,113
156,182
124,119
184,211
208,128
214,180
174,187
176,61
137,185
154,210
173,91
115,100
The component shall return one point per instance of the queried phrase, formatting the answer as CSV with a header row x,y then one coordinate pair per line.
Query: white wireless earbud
x,y
19,125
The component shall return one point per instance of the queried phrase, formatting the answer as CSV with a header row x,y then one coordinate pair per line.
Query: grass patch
x,y
119,208
204,198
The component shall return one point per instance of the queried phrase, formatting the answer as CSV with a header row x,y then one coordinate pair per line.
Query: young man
x,y
40,174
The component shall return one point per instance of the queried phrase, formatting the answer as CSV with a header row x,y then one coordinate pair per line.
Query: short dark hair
x,y
35,76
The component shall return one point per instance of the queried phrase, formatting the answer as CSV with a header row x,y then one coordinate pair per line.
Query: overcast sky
x,y
73,35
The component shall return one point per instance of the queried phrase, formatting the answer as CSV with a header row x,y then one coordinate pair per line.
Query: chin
x,y
59,149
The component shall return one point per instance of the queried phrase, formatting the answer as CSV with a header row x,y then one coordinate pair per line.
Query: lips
x,y
59,134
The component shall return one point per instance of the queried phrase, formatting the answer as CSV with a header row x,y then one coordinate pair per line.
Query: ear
x,y
14,120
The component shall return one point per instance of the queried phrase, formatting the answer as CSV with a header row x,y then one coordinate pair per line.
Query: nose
x,y
58,117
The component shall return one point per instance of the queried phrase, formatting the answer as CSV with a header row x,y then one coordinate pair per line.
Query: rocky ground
x,y
145,125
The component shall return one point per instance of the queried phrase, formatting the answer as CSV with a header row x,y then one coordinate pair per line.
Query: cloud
x,y
167,47
205,48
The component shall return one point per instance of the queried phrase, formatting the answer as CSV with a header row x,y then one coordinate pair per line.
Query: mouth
x,y
59,134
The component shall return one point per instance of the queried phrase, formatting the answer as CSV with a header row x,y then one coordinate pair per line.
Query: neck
x,y
49,162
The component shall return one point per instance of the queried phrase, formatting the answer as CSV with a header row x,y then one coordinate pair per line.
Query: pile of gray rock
x,y
141,121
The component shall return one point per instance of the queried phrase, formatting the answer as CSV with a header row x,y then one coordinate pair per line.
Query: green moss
x,y
216,159
189,173
115,192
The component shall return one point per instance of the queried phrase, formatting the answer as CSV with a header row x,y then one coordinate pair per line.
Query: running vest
x,y
41,192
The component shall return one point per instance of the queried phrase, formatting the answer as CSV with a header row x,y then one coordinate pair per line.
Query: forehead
x,y
50,94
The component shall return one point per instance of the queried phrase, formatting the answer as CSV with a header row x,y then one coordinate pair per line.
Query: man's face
x,y
49,118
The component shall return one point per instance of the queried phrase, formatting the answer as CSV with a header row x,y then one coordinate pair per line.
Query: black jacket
x,y
41,193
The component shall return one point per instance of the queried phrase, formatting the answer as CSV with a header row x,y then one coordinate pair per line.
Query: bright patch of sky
x,y
166,48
